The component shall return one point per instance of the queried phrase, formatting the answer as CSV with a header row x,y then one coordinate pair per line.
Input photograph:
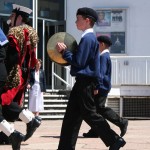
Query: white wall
x,y
138,21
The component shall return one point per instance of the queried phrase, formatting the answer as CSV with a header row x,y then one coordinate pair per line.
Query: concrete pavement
x,y
47,137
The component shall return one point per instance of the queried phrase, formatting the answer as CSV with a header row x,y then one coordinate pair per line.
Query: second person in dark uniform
x,y
104,89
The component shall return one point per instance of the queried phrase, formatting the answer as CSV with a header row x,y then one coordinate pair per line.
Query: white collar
x,y
87,31
104,51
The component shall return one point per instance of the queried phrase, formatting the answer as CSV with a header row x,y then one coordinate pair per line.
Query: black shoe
x,y
90,134
4,139
123,128
118,144
16,138
31,127
38,118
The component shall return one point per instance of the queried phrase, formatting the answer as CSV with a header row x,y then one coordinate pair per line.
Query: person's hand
x,y
95,92
28,86
60,47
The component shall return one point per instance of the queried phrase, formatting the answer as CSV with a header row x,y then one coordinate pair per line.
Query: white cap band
x,y
22,8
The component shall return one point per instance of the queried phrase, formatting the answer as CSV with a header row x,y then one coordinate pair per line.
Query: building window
x,y
112,23
51,9
6,5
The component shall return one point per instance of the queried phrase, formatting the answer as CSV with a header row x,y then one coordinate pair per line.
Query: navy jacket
x,y
42,79
85,61
105,74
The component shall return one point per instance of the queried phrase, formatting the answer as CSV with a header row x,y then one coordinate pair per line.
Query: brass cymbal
x,y
64,37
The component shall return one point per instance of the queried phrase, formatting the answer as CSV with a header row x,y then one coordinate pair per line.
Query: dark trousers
x,y
81,106
107,112
9,112
2,83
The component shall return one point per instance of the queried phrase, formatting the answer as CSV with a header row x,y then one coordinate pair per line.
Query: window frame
x,y
115,27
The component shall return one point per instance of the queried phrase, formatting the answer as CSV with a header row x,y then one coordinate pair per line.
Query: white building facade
x,y
130,93
137,21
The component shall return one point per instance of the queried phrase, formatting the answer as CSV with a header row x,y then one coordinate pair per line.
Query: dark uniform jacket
x,y
3,72
42,79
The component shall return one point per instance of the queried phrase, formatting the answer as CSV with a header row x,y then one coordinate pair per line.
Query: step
x,y
49,95
52,106
52,100
55,104
46,117
53,111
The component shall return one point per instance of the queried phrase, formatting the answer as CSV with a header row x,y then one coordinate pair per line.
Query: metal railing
x,y
130,70
125,70
68,81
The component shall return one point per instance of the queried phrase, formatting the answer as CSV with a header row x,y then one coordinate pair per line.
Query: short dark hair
x,y
105,39
92,22
26,20
38,60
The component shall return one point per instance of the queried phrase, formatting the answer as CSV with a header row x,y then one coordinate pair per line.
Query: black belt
x,y
84,77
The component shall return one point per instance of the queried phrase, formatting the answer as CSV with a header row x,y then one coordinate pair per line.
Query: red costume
x,y
21,50
20,58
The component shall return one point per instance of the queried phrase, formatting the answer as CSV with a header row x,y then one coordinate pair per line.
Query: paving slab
x,y
47,136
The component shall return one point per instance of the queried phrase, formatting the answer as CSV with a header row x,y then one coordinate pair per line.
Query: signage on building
x,y
112,22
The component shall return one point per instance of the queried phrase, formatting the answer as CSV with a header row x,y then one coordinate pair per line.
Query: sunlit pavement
x,y
46,137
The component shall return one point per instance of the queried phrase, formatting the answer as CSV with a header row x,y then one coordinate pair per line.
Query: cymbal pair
x,y
67,39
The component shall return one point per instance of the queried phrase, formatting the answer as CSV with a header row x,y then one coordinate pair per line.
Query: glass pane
x,y
51,9
6,6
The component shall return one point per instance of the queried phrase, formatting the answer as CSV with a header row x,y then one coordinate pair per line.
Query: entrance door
x,y
47,28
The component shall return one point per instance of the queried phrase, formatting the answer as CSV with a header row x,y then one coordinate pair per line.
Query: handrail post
x,y
146,73
43,44
52,75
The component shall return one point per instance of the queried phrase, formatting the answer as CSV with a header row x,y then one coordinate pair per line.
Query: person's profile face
x,y
81,22
102,46
38,65
12,20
